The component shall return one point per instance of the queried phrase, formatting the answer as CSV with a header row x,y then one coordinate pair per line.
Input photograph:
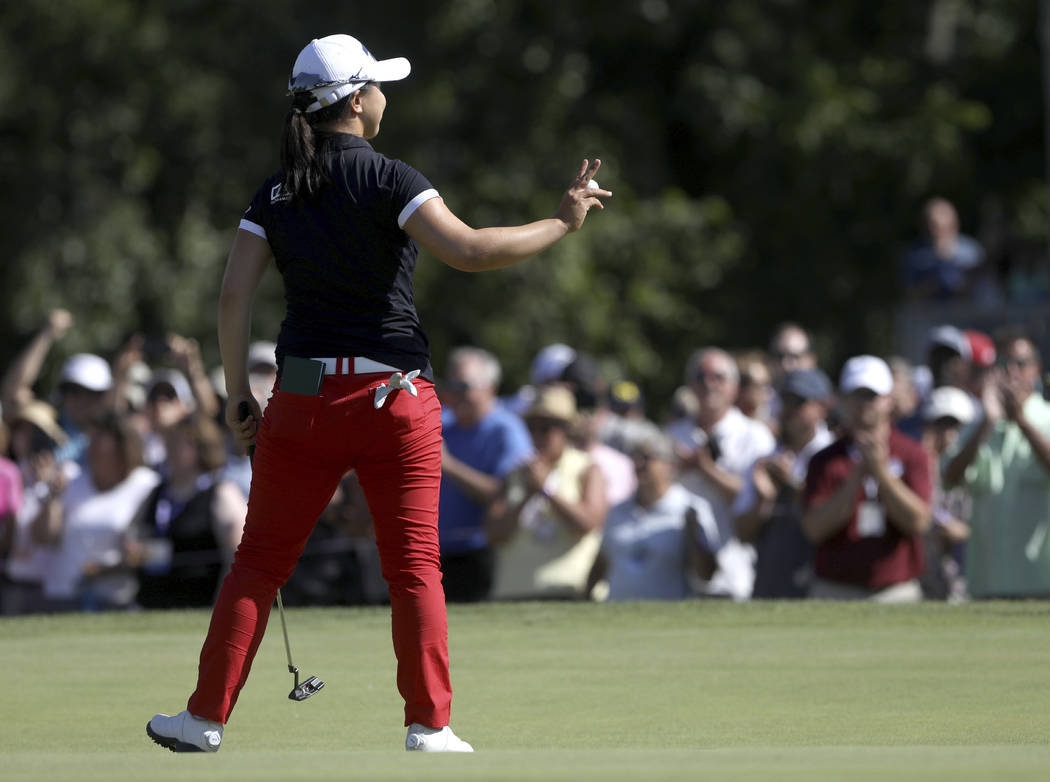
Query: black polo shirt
x,y
346,262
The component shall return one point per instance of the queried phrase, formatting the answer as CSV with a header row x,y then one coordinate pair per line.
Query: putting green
x,y
692,690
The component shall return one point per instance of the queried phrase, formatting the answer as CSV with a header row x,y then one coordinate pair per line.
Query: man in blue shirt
x,y
483,442
946,264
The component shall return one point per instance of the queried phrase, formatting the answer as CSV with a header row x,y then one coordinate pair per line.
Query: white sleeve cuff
x,y
251,227
414,204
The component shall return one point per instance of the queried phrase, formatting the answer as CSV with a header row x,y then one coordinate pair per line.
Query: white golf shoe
x,y
422,739
185,733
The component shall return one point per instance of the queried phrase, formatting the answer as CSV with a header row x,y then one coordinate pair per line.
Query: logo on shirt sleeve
x,y
278,194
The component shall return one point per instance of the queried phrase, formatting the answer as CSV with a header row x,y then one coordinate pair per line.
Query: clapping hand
x,y
764,484
536,473
873,451
45,469
1013,399
992,399
780,466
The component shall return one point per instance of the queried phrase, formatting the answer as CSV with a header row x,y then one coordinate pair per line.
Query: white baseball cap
x,y
869,372
262,354
87,370
178,383
949,402
336,66
949,337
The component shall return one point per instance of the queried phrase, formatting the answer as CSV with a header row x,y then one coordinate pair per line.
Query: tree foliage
x,y
768,157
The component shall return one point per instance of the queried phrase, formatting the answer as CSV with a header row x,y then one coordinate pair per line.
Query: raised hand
x,y
59,321
130,354
578,199
185,352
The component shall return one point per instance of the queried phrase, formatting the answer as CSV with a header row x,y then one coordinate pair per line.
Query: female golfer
x,y
342,223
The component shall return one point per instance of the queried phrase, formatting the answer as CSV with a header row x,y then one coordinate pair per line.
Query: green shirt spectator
x,y
1004,460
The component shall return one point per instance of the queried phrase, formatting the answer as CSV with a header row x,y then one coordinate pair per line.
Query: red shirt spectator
x,y
853,555
867,497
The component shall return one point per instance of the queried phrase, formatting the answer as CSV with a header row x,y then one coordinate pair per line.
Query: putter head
x,y
303,691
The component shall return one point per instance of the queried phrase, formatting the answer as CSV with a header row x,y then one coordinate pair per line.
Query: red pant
x,y
304,447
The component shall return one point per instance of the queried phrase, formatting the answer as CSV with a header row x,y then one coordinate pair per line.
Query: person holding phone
x,y
716,448
343,225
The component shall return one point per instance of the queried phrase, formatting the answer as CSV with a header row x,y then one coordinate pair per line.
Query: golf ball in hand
x,y
593,184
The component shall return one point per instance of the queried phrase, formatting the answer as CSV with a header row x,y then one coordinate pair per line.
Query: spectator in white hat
x,y
546,367
84,386
169,399
867,497
948,356
944,415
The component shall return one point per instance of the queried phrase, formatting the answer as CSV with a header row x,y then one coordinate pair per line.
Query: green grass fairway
x,y
697,690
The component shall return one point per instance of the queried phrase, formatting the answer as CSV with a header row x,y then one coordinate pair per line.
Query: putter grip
x,y
244,412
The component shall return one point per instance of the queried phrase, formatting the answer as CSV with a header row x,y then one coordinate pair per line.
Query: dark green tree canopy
x,y
768,159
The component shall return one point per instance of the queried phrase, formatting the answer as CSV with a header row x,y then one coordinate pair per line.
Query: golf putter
x,y
300,692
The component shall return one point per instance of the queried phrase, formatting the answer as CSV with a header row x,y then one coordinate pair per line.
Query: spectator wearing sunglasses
x,y
483,442
791,350
547,521
660,541
1003,457
717,448
767,513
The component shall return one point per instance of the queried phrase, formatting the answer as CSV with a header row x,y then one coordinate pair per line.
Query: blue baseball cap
x,y
808,384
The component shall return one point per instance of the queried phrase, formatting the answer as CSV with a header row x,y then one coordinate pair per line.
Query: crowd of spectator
x,y
120,489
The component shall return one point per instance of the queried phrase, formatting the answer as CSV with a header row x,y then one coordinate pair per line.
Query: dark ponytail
x,y
304,158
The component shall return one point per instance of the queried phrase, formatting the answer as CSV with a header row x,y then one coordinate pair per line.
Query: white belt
x,y
366,366
361,366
